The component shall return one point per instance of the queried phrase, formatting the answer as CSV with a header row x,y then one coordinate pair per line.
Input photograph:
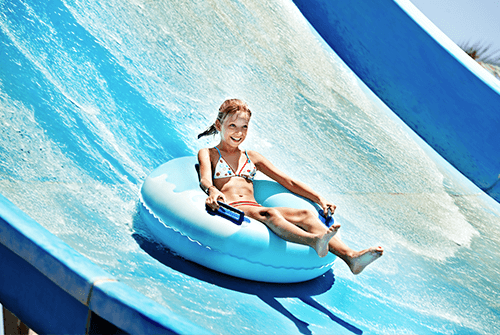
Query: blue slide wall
x,y
51,287
439,91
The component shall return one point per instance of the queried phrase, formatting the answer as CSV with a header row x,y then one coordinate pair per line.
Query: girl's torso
x,y
233,174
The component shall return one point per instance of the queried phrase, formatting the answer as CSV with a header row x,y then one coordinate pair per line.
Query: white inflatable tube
x,y
174,210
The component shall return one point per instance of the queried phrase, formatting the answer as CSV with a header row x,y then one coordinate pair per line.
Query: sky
x,y
465,21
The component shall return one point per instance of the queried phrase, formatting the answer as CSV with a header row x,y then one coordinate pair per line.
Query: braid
x,y
209,131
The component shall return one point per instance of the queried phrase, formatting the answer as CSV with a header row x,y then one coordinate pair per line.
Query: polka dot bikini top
x,y
224,170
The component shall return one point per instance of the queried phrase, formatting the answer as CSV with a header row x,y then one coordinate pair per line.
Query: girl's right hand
x,y
214,195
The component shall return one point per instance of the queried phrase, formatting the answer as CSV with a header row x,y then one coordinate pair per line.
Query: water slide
x,y
95,95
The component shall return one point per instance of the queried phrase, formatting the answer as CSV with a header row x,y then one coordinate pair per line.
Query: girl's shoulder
x,y
203,152
252,153
255,157
210,153
207,150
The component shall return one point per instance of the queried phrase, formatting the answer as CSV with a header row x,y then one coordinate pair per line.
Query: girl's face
x,y
234,128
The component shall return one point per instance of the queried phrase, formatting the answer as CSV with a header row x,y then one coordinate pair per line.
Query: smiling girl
x,y
227,173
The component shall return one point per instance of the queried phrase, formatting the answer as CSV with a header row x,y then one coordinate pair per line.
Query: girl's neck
x,y
227,148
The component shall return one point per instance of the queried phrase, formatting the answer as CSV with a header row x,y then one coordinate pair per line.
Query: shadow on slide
x,y
267,292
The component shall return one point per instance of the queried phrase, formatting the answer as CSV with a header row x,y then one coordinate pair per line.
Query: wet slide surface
x,y
94,96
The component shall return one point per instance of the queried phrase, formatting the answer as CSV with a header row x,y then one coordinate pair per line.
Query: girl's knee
x,y
311,214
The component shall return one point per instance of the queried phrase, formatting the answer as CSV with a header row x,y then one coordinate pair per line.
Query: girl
x,y
227,172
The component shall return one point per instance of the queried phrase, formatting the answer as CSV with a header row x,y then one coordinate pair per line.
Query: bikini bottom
x,y
244,203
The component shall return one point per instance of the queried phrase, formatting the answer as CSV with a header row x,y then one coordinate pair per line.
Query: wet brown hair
x,y
227,108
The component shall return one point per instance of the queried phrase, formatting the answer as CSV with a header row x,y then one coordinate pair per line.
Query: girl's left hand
x,y
328,206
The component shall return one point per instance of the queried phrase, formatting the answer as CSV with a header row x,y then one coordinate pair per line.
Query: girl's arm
x,y
295,186
206,180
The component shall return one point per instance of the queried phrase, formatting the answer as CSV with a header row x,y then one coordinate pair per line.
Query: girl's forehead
x,y
238,116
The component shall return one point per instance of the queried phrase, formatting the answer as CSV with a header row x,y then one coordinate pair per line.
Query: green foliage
x,y
481,52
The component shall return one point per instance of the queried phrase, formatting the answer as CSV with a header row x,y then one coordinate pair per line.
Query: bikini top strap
x,y
220,156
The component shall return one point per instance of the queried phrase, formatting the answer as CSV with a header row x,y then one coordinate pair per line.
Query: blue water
x,y
95,95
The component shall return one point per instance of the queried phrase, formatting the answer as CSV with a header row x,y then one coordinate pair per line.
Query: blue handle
x,y
228,212
328,218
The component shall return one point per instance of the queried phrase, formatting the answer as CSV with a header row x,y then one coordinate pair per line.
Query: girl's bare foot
x,y
321,244
363,258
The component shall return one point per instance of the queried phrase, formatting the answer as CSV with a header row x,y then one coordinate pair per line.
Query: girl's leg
x,y
273,218
308,220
